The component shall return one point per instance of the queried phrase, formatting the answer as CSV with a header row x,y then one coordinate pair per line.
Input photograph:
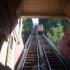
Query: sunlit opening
x,y
35,21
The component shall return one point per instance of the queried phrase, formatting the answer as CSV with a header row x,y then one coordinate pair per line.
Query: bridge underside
x,y
11,10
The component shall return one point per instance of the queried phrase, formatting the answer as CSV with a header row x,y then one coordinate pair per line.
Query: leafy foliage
x,y
27,27
56,33
54,29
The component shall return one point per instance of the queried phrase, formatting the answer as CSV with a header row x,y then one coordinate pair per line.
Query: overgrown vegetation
x,y
27,27
54,29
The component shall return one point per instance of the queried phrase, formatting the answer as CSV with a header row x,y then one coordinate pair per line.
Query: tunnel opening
x,y
53,28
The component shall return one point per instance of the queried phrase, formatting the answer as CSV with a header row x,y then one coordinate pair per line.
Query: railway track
x,y
31,62
41,56
54,62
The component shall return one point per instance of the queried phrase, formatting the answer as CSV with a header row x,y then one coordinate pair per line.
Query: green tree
x,y
56,34
54,29
27,27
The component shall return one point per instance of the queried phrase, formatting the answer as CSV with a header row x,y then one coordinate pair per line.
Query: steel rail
x,y
57,53
45,54
27,46
38,66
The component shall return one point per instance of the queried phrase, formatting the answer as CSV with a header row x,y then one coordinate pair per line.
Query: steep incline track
x,y
31,60
41,56
54,61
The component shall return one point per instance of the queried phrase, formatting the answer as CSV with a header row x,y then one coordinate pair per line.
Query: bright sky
x,y
35,21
